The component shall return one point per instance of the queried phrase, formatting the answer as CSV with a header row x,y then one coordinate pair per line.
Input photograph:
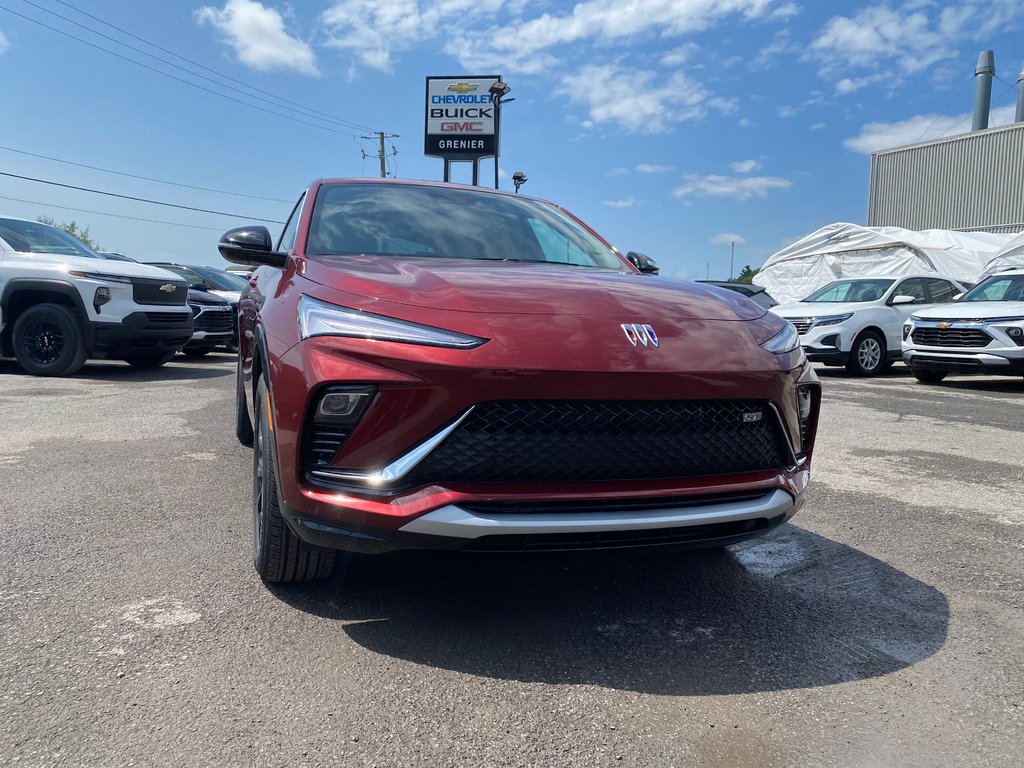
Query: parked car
x,y
437,366
755,293
213,281
858,322
982,333
61,304
214,323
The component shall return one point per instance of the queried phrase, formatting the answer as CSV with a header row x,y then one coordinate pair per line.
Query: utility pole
x,y
732,258
382,155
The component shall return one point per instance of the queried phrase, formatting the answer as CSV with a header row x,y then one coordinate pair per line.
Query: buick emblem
x,y
640,334
168,287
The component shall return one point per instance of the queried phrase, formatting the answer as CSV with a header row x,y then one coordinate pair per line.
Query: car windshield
x,y
998,288
193,279
441,222
851,290
36,237
222,281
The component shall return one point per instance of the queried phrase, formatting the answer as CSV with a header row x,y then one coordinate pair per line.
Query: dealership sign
x,y
461,117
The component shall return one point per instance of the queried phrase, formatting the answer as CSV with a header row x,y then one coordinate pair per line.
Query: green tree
x,y
81,235
746,275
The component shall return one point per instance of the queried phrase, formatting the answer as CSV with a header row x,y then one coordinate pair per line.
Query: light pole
x,y
498,91
519,178
732,258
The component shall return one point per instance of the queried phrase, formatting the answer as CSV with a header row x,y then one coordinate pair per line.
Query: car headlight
x,y
906,331
832,320
784,341
100,276
318,318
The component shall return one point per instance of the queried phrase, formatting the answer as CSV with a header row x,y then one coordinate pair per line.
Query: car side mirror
x,y
643,262
902,299
250,245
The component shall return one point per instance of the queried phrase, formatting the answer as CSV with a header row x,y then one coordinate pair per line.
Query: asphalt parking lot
x,y
884,627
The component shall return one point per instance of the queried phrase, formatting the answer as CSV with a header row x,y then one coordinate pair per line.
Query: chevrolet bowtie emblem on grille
x,y
640,334
168,287
943,325
462,87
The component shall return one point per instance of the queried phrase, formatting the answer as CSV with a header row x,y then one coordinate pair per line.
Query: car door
x,y
898,314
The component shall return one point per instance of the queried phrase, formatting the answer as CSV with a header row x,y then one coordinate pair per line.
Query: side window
x,y
940,290
912,287
287,241
557,247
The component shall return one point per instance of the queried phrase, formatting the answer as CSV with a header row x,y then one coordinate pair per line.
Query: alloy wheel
x,y
43,341
869,354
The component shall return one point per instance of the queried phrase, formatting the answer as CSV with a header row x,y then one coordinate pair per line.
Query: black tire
x,y
927,375
200,352
149,359
243,426
867,358
48,341
278,554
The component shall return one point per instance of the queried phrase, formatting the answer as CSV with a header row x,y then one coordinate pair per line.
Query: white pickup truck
x,y
858,322
61,304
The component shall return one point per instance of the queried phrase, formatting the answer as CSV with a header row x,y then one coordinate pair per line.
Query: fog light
x,y
102,297
906,331
343,405
1016,335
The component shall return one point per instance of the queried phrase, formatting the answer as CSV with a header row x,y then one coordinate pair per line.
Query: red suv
x,y
429,365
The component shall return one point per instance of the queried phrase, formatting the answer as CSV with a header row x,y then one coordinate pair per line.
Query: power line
x,y
174,77
144,178
939,114
138,199
313,113
103,213
969,115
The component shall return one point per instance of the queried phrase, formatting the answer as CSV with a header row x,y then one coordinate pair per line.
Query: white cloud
x,y
876,136
517,45
258,36
817,126
639,101
744,122
627,202
850,84
746,166
652,168
4,45
618,172
728,239
739,188
913,35
787,112
679,55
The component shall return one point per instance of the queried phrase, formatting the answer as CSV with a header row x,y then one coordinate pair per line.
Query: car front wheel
x,y
278,554
868,355
48,341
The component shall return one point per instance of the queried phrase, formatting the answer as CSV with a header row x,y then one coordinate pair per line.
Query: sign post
x,y
461,121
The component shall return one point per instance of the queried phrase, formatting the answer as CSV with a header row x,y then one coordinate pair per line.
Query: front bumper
x,y
139,333
1009,362
703,521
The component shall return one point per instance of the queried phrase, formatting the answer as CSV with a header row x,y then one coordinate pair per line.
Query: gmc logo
x,y
462,127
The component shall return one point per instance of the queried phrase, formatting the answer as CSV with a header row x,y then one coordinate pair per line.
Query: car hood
x,y
515,288
59,264
797,309
973,310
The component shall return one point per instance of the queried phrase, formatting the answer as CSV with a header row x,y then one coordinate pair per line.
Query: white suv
x,y
982,333
61,303
858,322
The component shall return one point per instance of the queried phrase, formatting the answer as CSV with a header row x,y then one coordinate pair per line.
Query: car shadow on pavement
x,y
790,610
118,371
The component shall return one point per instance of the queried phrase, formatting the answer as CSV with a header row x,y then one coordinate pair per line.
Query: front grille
x,y
587,440
166,317
803,324
147,291
212,321
589,506
951,337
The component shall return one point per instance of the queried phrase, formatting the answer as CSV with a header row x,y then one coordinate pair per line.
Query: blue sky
x,y
671,126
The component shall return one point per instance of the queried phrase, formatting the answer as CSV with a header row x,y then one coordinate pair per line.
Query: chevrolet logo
x,y
168,287
943,325
462,87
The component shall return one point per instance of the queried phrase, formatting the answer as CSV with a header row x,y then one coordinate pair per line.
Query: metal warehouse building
x,y
974,182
